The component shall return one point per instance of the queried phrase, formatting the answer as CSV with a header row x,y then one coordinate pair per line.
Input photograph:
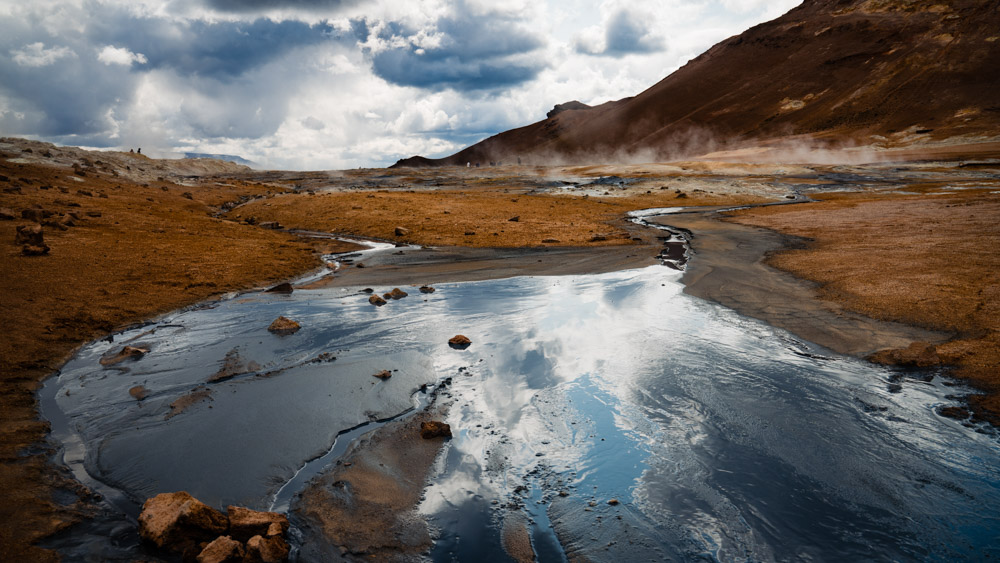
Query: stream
x,y
625,420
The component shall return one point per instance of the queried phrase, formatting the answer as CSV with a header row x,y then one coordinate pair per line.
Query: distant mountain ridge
x,y
829,72
224,157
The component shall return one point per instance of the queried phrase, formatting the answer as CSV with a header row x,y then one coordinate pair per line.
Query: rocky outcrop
x,y
283,326
434,429
178,522
916,355
401,231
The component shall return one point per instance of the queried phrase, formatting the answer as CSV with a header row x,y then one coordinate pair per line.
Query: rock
x,y
266,550
179,522
33,214
187,195
387,296
377,300
277,529
32,250
515,219
281,288
7,214
426,289
434,429
384,374
397,293
917,355
270,225
93,214
368,290
470,233
359,265
598,238
55,225
13,190
245,523
138,392
124,354
550,240
402,231
613,502
283,326
84,193
223,549
459,341
29,234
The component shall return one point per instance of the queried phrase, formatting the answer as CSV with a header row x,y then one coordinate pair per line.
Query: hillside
x,y
885,73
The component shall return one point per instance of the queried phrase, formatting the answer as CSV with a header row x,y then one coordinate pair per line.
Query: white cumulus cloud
x,y
36,55
111,55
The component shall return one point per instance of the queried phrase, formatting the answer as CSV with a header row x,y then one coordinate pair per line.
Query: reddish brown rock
x,y
377,300
434,429
917,355
245,523
32,250
283,326
7,214
179,522
427,289
124,354
266,550
397,293
401,231
223,549
459,341
384,374
138,392
30,234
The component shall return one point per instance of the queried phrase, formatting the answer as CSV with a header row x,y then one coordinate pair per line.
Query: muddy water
x,y
719,437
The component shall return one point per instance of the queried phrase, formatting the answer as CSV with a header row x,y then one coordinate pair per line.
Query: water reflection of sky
x,y
721,437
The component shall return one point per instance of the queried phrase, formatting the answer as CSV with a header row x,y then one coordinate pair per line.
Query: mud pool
x,y
720,438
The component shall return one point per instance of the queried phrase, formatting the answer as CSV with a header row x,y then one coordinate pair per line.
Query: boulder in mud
x,y
133,352
29,234
179,522
223,549
916,355
245,523
377,300
266,550
283,326
427,289
384,374
138,392
401,231
434,429
459,342
397,293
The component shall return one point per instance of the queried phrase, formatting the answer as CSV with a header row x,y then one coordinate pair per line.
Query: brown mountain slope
x,y
882,72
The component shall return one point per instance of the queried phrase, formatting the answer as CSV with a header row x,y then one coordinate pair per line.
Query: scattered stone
x,y
434,429
266,550
179,522
33,214
550,241
598,238
613,502
223,549
397,293
53,224
470,233
681,195
138,392
515,219
283,326
84,193
564,493
427,289
32,250
13,190
93,214
187,195
245,523
387,296
368,290
125,353
459,342
281,288
7,214
402,231
270,225
359,265
377,300
917,355
384,374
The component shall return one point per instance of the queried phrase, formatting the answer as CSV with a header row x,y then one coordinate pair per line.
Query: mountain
x,y
224,157
827,73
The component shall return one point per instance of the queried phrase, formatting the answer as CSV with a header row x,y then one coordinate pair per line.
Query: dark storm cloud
x,y
476,52
626,33
245,6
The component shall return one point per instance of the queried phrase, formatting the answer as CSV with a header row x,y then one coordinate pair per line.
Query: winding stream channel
x,y
721,438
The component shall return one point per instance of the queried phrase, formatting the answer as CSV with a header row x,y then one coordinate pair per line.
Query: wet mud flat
x,y
604,417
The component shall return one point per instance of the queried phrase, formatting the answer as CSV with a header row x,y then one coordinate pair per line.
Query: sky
x,y
333,84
